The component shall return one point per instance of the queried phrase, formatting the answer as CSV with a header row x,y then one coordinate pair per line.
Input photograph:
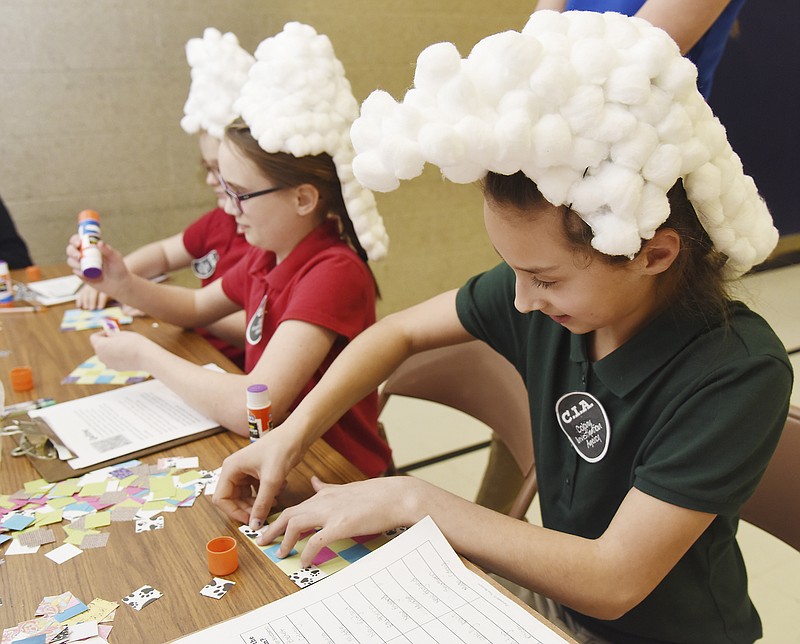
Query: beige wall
x,y
91,93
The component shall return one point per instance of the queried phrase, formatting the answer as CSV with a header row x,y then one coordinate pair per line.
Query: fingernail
x,y
255,524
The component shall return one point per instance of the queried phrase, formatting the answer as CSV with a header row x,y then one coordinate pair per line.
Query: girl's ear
x,y
661,251
306,199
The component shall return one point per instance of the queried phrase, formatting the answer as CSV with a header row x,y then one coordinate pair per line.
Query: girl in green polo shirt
x,y
620,212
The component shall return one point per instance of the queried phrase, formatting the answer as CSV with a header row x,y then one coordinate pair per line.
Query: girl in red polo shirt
x,y
304,284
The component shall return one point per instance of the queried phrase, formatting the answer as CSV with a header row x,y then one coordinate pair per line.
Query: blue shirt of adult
x,y
707,51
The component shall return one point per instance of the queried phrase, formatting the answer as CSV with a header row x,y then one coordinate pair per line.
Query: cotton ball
x,y
551,140
298,145
441,145
676,127
546,22
650,55
435,65
553,80
587,153
653,210
655,108
519,100
593,59
586,24
616,124
634,150
584,109
704,183
512,134
478,137
620,30
664,166
370,172
464,172
678,78
555,183
586,195
693,154
613,234
403,157
623,187
629,85
711,134
458,97
498,62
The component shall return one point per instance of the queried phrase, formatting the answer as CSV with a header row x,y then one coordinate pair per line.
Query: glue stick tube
x,y
89,233
6,285
259,411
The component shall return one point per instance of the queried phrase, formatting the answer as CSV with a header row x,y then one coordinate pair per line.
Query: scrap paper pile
x,y
80,320
330,559
132,491
94,372
64,618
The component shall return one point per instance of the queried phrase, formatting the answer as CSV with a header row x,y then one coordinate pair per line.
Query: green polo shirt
x,y
695,409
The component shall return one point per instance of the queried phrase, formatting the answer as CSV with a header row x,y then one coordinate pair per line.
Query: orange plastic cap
x,y
222,555
33,273
22,379
88,214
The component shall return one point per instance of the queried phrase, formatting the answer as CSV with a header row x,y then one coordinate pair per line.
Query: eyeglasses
x,y
237,198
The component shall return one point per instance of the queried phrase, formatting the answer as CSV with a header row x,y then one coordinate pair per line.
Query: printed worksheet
x,y
123,421
412,589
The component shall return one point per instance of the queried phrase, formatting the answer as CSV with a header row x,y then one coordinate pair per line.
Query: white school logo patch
x,y
256,324
584,421
204,267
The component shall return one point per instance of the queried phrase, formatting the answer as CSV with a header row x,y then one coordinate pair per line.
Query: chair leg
x,y
502,479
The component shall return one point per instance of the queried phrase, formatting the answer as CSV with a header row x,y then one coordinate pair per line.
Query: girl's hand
x,y
115,272
342,511
120,350
91,299
261,466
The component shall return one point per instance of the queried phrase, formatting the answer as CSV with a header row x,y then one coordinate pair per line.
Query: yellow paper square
x,y
65,488
39,485
162,487
94,489
97,520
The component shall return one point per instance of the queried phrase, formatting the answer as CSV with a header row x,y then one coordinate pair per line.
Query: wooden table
x,y
173,559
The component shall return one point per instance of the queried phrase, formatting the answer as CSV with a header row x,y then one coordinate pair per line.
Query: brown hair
x,y
695,281
288,170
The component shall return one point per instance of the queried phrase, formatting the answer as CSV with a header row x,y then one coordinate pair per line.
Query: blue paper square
x,y
17,522
78,608
271,552
354,553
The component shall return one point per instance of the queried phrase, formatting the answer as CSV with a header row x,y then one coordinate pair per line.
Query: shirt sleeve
x,y
714,447
236,280
196,234
336,292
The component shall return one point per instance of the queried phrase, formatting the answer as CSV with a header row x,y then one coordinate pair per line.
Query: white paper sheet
x,y
57,290
412,589
121,421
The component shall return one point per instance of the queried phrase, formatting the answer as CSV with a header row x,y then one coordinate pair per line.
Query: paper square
x,y
63,553
142,597
95,540
16,548
217,588
146,525
16,522
36,537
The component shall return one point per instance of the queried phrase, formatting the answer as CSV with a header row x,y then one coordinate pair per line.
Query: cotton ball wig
x,y
219,69
600,110
297,100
